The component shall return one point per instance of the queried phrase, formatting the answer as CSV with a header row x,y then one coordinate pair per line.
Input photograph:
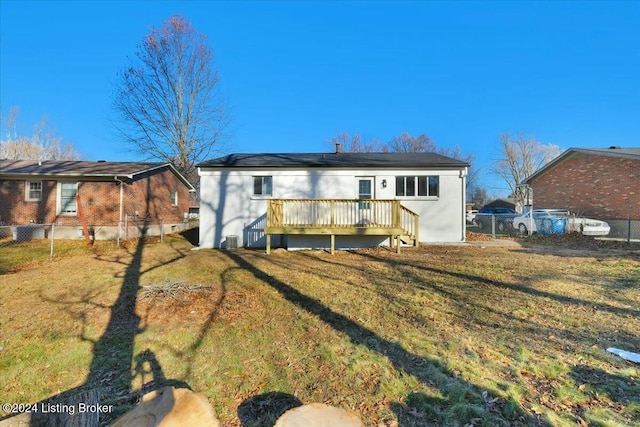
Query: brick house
x,y
601,183
104,193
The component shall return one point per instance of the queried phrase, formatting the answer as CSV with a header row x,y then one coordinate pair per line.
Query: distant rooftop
x,y
614,151
74,168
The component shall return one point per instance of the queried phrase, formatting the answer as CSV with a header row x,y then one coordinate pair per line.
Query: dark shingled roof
x,y
334,160
68,168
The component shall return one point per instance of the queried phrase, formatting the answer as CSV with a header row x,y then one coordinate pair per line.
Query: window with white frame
x,y
418,186
262,185
174,198
34,191
68,192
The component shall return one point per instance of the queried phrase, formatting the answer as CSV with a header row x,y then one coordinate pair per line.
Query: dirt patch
x,y
478,237
572,244
575,244
191,307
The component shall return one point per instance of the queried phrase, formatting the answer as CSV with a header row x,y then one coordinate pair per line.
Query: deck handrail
x,y
342,217
410,221
336,213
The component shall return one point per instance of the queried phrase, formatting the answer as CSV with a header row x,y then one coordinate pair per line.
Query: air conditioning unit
x,y
232,243
28,232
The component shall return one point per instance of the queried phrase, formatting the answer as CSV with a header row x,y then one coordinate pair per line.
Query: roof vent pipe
x,y
337,148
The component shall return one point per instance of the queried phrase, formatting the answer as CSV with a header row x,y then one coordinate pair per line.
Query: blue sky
x,y
296,73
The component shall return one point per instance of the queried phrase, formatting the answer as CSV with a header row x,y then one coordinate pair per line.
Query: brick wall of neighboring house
x,y
100,200
601,187
152,196
15,209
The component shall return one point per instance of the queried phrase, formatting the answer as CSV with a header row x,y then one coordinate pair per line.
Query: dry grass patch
x,y
434,336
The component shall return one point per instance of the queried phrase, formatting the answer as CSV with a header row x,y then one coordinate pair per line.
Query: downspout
x,y
120,183
463,177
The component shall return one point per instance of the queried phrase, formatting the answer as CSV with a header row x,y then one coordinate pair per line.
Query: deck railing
x,y
341,216
410,222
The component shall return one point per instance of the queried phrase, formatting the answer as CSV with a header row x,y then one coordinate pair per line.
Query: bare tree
x,y
477,195
168,100
520,157
43,144
405,143
354,143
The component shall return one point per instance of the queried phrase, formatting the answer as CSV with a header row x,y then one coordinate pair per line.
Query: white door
x,y
365,192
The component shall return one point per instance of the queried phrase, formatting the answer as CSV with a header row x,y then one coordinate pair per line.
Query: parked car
x,y
560,221
588,226
503,217
471,215
542,222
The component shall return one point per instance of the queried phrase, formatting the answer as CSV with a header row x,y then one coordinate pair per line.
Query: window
x,y
68,192
34,190
262,185
417,186
174,198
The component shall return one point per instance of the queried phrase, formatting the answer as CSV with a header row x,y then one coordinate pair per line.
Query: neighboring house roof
x,y
334,160
623,153
508,202
83,169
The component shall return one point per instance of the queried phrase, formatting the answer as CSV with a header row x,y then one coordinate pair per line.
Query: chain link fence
x,y
500,225
131,228
624,229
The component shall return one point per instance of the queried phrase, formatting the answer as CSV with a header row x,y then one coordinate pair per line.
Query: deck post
x,y
333,244
268,223
398,243
416,231
395,215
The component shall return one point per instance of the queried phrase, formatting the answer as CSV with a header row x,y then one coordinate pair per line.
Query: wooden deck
x,y
346,217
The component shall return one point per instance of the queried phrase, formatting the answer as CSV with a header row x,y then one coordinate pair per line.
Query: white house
x,y
236,190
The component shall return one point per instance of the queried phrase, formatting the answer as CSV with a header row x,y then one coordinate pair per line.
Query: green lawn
x,y
438,335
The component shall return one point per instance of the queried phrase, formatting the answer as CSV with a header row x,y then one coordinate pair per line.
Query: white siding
x,y
228,207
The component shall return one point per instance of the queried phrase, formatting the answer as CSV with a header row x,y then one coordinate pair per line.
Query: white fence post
x,y
493,226
51,237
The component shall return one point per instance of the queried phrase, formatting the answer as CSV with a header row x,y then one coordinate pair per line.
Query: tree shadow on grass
x,y
623,391
482,291
264,410
527,290
467,400
107,391
108,383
